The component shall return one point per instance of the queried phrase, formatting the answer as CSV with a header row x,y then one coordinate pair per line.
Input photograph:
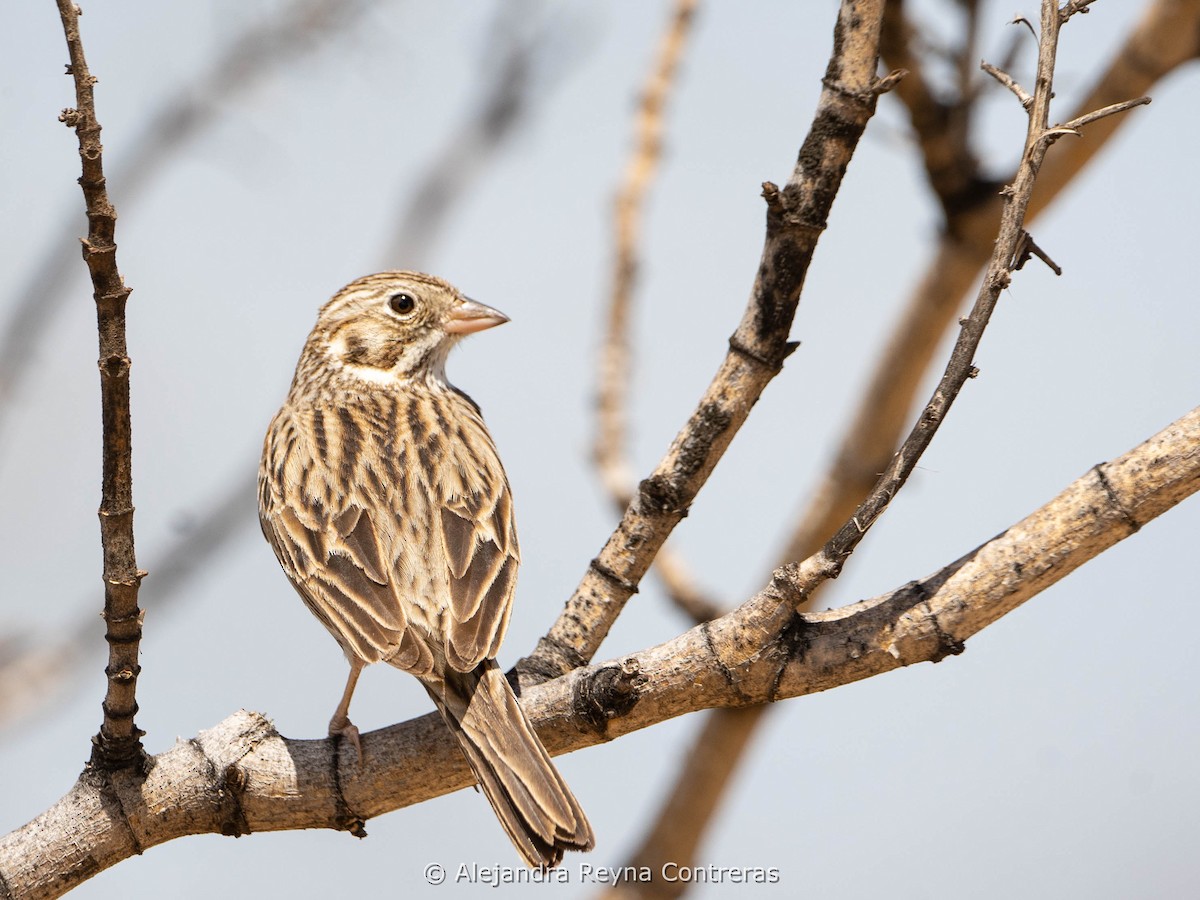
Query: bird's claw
x,y
347,730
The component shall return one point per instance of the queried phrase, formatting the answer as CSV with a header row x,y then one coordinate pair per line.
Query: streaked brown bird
x,y
382,495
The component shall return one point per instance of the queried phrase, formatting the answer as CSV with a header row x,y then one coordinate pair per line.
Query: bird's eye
x,y
402,304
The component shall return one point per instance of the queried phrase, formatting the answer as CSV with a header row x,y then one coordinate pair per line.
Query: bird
x,y
383,496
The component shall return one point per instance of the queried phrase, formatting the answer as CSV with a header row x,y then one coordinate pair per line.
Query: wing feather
x,y
480,541
389,558
335,557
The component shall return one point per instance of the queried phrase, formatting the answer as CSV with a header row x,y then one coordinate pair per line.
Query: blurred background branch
x,y
267,44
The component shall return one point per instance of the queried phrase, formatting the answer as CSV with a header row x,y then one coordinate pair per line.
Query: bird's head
x,y
396,325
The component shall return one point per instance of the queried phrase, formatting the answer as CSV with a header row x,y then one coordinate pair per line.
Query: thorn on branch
x,y
1050,135
1021,20
1074,6
1027,247
888,81
770,193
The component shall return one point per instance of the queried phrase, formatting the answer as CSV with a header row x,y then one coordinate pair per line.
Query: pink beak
x,y
469,317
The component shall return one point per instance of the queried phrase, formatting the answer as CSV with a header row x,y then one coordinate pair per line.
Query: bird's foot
x,y
342,727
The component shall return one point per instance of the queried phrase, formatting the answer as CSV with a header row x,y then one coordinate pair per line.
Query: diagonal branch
x,y
1167,36
118,745
795,583
796,216
228,780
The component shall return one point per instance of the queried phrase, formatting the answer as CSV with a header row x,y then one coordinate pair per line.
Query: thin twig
x,y
796,216
1072,7
1096,115
118,745
960,367
25,679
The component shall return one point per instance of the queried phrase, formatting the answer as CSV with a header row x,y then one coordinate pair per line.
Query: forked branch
x,y
796,216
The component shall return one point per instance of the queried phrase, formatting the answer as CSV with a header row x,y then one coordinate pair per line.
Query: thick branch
x,y
796,217
242,776
691,804
117,745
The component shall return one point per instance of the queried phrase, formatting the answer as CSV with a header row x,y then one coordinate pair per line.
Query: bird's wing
x,y
333,548
480,539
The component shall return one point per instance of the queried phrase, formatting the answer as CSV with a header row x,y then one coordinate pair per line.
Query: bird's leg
x,y
340,725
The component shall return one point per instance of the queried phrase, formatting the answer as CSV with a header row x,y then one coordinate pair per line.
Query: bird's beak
x,y
469,317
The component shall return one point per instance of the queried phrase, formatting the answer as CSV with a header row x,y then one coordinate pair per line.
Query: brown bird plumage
x,y
384,499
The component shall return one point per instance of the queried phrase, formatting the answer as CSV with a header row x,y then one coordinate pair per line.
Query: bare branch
x,y
788,580
692,802
796,217
227,780
1167,36
866,449
118,745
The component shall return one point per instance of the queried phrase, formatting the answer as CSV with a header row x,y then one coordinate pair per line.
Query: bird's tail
x,y
531,800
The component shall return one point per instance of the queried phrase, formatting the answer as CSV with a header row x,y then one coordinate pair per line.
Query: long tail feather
x,y
531,800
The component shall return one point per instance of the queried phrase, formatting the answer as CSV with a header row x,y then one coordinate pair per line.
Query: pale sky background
x,y
1055,758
